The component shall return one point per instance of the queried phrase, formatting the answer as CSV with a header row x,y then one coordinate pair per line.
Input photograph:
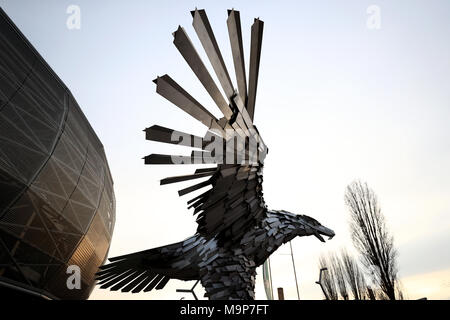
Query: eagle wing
x,y
232,143
152,269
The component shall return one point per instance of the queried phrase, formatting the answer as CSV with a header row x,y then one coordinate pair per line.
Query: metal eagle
x,y
236,231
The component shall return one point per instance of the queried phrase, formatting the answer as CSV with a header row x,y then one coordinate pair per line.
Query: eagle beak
x,y
321,230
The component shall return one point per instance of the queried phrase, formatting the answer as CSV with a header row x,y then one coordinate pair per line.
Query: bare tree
x,y
371,237
353,276
370,293
400,293
328,281
338,271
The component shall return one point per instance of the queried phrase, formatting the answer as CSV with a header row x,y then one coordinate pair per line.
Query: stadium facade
x,y
57,205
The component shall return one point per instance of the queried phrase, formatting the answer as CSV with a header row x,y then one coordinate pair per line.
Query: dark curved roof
x,y
57,205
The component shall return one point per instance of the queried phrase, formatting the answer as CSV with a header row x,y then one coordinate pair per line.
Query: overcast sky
x,y
337,101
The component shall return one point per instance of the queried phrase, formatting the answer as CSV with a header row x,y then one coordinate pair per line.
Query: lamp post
x,y
190,290
295,273
320,283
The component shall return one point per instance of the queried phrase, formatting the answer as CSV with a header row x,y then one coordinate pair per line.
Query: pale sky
x,y
336,101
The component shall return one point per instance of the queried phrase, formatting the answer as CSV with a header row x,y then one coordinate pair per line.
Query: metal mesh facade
x,y
57,205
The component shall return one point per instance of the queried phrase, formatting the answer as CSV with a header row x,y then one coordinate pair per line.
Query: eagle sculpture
x,y
236,231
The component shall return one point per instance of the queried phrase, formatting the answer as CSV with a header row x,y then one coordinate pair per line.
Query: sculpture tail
x,y
147,270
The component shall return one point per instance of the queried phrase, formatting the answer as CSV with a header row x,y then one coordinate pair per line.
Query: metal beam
x,y
209,43
235,33
166,135
176,159
255,55
170,90
186,48
186,177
